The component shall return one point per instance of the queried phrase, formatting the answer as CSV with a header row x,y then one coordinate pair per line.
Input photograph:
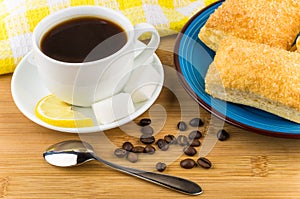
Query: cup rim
x,y
35,40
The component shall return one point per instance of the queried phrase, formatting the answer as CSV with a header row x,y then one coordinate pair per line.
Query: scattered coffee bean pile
x,y
189,142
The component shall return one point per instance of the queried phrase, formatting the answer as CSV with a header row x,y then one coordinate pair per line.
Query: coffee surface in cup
x,y
74,40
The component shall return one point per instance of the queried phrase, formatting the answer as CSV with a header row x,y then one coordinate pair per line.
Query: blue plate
x,y
192,59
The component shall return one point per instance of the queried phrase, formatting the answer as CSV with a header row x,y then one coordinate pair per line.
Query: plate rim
x,y
95,128
203,104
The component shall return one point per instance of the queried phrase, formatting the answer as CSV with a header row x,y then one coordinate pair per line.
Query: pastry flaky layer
x,y
298,44
272,22
256,75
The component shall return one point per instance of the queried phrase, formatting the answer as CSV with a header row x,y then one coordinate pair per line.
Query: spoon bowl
x,y
69,153
74,152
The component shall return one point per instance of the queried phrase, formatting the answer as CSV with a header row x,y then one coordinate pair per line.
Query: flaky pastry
x,y
256,75
272,22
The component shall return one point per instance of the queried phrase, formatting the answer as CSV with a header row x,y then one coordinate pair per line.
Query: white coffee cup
x,y
83,84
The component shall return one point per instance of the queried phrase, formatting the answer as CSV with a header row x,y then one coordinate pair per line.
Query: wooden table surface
x,y
248,165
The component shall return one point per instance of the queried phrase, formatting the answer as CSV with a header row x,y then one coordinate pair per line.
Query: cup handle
x,y
147,51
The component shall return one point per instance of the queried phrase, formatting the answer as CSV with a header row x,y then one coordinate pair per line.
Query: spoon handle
x,y
171,182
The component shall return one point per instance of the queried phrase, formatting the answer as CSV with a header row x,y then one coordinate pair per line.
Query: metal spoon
x,y
75,152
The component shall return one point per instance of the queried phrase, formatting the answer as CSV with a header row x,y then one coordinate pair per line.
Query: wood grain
x,y
248,165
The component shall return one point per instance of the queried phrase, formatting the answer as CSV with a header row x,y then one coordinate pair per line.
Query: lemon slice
x,y
58,113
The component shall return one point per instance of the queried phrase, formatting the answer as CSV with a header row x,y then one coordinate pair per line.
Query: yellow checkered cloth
x,y
18,19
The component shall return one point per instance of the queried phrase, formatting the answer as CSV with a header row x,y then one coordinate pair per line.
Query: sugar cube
x,y
142,83
113,108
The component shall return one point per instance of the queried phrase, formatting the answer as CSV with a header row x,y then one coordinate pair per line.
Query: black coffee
x,y
73,40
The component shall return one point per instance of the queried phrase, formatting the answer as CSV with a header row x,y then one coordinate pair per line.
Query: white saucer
x,y
27,89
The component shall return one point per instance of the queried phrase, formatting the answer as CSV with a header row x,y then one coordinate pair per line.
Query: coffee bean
x,y
195,143
149,149
222,135
182,140
170,139
162,144
190,151
138,149
196,122
195,135
181,126
187,163
120,153
127,146
160,166
204,162
132,157
144,122
146,139
147,130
